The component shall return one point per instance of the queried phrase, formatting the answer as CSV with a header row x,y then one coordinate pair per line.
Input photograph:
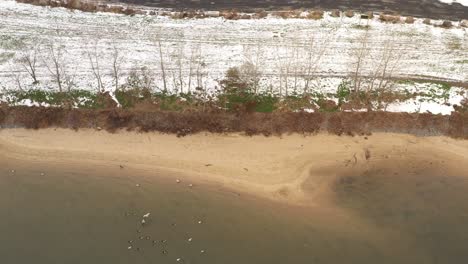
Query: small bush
x,y
390,19
349,13
335,13
446,24
343,92
409,20
315,14
261,14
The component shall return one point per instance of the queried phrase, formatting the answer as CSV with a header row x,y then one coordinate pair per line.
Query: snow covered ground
x,y
198,52
462,2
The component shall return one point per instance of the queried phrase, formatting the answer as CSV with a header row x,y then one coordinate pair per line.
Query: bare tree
x,y
315,50
55,63
179,56
16,75
117,60
29,61
200,69
157,40
94,60
374,67
360,56
193,52
250,69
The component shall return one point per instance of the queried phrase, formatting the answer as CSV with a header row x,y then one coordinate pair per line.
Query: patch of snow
x,y
209,47
462,2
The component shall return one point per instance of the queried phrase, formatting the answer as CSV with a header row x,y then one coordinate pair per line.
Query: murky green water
x,y
87,214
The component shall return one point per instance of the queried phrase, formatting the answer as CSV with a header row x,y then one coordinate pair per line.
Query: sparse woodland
x,y
178,76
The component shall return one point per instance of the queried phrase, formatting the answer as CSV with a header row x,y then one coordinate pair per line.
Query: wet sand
x,y
284,168
76,197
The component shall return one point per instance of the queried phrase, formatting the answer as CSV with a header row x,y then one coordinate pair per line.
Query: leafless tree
x,y
55,63
193,51
16,75
250,69
179,57
117,60
375,67
315,50
29,61
360,55
200,70
94,60
157,40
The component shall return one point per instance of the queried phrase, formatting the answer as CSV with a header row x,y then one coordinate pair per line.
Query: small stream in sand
x,y
55,214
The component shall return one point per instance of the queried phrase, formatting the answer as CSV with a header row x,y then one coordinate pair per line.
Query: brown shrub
x,y
283,14
233,15
315,14
349,13
129,11
261,14
367,15
3,113
73,4
88,7
446,24
117,119
116,9
216,121
409,20
335,13
390,18
245,16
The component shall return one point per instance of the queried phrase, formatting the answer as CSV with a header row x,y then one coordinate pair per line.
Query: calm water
x,y
87,214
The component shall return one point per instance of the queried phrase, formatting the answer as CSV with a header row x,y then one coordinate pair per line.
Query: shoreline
x,y
294,169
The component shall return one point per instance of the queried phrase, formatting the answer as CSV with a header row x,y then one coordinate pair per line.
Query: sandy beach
x,y
293,168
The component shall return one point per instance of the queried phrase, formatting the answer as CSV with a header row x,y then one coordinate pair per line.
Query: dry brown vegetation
x,y
409,20
446,24
316,14
390,18
349,13
184,123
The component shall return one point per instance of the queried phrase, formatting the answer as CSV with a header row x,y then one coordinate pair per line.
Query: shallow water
x,y
51,213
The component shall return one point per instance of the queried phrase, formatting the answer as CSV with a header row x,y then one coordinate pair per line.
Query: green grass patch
x,y
76,98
